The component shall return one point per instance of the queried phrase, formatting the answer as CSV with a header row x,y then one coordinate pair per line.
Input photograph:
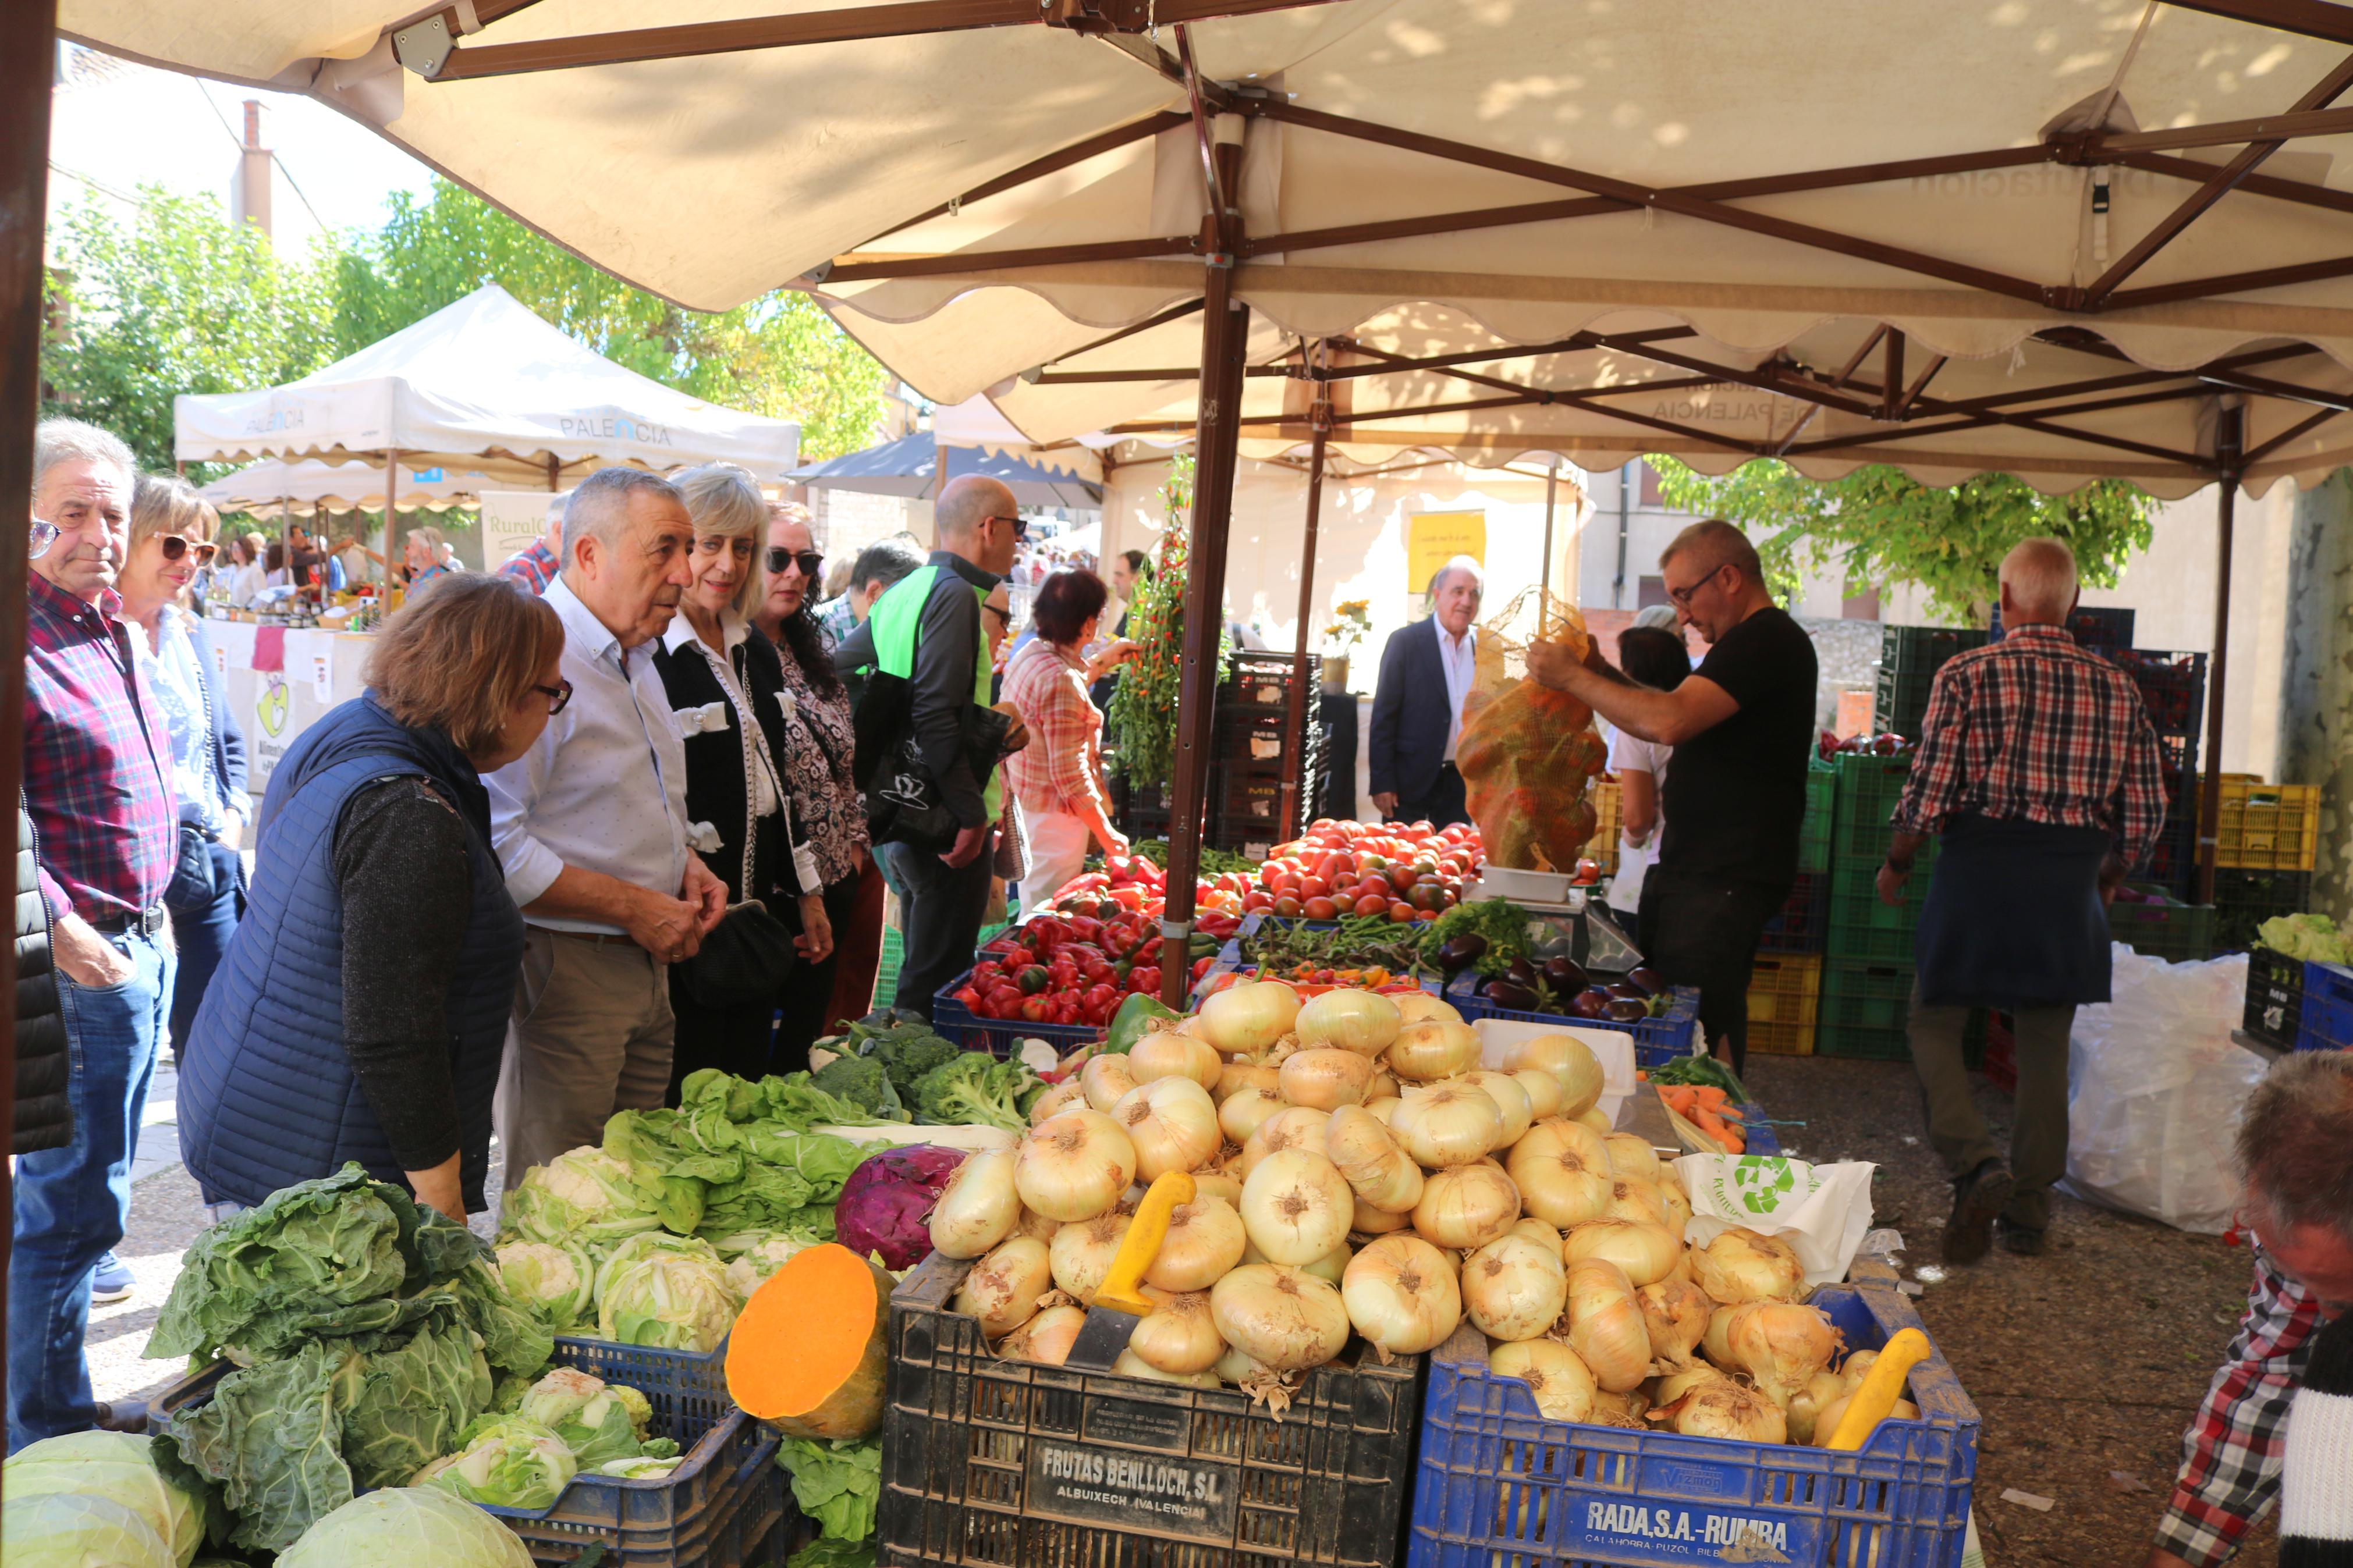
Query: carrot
x,y
1641,1075
1709,1095
808,1350
1731,1112
1733,1143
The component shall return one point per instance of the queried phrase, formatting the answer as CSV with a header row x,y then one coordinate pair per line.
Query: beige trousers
x,y
590,1035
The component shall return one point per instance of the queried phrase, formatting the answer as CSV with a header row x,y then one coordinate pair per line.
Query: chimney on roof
x,y
249,190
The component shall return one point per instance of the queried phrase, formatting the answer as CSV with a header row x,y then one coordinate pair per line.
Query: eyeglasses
x,y
1683,596
1020,525
175,546
557,696
809,562
45,534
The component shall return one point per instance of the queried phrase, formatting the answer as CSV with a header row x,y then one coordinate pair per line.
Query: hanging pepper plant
x,y
1143,719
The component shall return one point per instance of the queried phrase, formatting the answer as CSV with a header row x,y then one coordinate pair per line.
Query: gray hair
x,y
2041,575
724,500
1718,544
1460,564
2296,1143
600,504
886,561
57,441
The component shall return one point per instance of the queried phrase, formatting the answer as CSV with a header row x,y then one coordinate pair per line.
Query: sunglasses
x,y
175,546
557,696
1020,525
809,561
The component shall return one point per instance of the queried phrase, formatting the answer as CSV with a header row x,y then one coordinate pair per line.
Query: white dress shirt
x,y
604,789
1459,656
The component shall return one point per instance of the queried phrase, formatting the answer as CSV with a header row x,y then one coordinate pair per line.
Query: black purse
x,y
905,803
746,956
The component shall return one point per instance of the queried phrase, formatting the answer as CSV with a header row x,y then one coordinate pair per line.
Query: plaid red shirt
x,y
96,760
2232,1454
2035,729
536,566
1061,767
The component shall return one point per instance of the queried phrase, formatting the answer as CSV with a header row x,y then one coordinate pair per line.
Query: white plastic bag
x,y
1822,1211
2154,1090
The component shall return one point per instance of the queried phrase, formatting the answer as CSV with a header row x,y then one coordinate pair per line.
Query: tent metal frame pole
x,y
2229,434
1544,576
391,521
1295,719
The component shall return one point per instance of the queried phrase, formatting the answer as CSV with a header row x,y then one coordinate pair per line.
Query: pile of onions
x,y
1401,1293
1245,1020
1170,1122
1073,1166
1779,1345
979,1207
1742,1265
1363,1021
1168,1053
1676,1311
1296,1207
1293,1127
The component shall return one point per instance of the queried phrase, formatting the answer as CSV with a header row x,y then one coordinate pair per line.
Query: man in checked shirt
x,y
2039,772
2295,1150
97,784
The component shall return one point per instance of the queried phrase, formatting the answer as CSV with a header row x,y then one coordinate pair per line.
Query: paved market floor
x,y
2085,1364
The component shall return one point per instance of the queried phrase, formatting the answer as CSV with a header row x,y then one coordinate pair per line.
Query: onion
x,y
1176,1335
1570,1061
1646,1252
1003,1288
1371,1160
1326,1076
1046,1338
1205,1242
1510,1099
1780,1346
1721,1408
1370,1221
1430,1051
1082,1252
1296,1207
1168,1054
1421,1007
1514,1289
1246,1110
1215,1184
1332,1265
1280,1317
1851,1370
1827,1423
1535,1230
1034,1225
1130,1365
1466,1207
1823,1390
1605,1325
1401,1295
1543,1090
1620,1409
1172,1124
1239,1370
1105,1079
1676,1311
1235,1077
979,1207
1631,1154
1675,1384
1716,1342
1363,1022
1740,1265
1671,1199
1635,1199
1595,1120
1293,1127
1383,1085
1074,1166
1563,1385
1245,1020
1562,1172
1069,1095
1451,1124
1386,1107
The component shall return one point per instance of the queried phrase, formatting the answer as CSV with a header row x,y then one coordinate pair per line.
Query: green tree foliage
x,y
1143,719
1883,528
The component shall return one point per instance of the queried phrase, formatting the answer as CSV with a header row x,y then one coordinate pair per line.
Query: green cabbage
x,y
554,1281
644,1467
407,1527
586,1198
113,1465
2311,937
508,1462
672,1299
70,1529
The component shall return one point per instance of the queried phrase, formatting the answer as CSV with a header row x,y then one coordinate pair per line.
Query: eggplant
x,y
1590,1004
1565,975
1511,996
1461,953
1627,991
1522,973
1648,979
1623,1011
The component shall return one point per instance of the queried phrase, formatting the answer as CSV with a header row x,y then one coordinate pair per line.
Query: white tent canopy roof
x,y
2037,199
483,385
262,487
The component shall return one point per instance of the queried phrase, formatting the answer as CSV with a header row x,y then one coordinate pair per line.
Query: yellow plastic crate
x,y
1603,850
1785,993
2267,826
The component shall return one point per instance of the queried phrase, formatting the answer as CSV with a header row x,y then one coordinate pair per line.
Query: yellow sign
x,y
1434,538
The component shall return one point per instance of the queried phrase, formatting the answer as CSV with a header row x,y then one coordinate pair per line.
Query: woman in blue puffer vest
x,y
361,1009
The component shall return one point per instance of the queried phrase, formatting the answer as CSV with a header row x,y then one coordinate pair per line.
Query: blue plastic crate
x,y
1501,1487
2326,1023
1656,1040
688,1392
952,1020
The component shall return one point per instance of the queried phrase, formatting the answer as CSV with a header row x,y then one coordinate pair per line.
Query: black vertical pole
x,y
2228,444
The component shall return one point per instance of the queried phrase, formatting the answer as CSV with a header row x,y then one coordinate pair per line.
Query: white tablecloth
x,y
320,668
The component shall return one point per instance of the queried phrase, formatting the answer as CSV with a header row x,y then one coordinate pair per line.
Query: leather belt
x,y
146,922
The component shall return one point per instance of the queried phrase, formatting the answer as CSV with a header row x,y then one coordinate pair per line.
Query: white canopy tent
x,y
2067,239
341,487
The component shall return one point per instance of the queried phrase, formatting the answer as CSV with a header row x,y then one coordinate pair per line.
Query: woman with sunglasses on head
x,y
728,694
171,526
361,1010
816,762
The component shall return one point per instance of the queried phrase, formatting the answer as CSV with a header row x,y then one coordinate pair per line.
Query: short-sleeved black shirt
x,y
1735,797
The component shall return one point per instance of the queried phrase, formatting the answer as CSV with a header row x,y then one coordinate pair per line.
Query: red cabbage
x,y
886,1202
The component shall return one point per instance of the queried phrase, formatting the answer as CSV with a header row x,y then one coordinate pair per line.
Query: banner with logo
x,y
512,521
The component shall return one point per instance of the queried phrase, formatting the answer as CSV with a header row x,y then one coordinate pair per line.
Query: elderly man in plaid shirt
x,y
98,785
2040,773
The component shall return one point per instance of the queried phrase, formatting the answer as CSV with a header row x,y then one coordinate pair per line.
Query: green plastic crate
x,y
2177,932
1868,788
1866,1010
1821,806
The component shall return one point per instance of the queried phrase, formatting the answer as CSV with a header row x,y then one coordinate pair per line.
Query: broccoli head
x,y
864,1081
908,1053
975,1087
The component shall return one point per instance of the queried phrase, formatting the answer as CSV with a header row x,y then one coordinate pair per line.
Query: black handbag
x,y
905,803
744,958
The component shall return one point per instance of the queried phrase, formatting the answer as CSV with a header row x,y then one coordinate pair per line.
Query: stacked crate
x,y
2098,628
1867,955
2244,900
1784,1003
1909,657
2173,689
1804,920
1246,768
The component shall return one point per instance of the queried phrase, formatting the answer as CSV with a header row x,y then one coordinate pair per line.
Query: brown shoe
x,y
1978,1198
2026,1240
121,1415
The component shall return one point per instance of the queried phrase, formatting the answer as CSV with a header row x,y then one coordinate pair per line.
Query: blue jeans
x,y
206,898
72,1203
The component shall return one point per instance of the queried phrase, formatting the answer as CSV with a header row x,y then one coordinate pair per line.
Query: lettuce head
x,y
112,1465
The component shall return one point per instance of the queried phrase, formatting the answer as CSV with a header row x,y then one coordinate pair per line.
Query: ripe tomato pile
x,y
1077,965
1341,868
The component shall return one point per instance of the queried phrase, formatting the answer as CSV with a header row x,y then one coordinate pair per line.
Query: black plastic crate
x,y
1018,1465
1925,648
2173,862
2244,900
2172,688
1900,706
2274,997
2100,628
1262,681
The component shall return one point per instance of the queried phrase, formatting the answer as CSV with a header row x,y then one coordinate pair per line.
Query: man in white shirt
x,y
1427,670
590,825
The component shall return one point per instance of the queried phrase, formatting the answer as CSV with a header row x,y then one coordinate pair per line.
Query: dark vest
x,y
44,1116
718,777
267,1093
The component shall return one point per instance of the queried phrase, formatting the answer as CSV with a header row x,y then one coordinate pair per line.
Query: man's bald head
x,y
975,517
2038,583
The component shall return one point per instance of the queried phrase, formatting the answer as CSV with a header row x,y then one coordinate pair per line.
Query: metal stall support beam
x,y
2229,438
1295,719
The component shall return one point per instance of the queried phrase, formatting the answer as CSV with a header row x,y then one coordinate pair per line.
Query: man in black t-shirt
x,y
1743,729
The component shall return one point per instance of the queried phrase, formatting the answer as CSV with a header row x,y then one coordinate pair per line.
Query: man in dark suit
x,y
1426,672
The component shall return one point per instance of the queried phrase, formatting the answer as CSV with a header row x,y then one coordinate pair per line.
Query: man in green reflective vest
x,y
928,629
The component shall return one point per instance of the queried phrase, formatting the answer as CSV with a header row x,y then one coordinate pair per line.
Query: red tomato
x,y
1321,909
1314,888
1287,908
1256,902
1403,878
1372,904
1400,913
